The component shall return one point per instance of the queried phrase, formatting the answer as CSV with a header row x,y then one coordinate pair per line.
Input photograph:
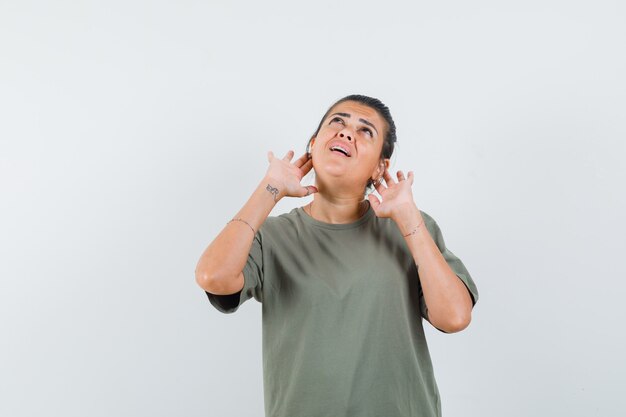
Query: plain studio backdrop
x,y
131,132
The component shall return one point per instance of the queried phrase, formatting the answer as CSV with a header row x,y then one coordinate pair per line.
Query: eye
x,y
368,130
336,118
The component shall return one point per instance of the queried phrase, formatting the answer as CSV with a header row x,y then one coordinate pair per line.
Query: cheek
x,y
329,131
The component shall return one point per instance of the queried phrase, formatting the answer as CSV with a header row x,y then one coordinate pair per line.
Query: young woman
x,y
345,280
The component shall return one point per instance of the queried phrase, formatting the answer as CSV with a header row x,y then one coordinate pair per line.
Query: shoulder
x,y
279,224
283,220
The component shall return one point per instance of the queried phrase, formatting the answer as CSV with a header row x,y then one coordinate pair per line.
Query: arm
x,y
448,299
219,270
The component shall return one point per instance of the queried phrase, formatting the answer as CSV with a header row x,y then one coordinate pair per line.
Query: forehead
x,y
358,110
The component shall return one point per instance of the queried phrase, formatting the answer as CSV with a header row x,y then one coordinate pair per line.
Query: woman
x,y
342,299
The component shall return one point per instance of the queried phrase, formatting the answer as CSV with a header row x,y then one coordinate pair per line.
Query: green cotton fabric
x,y
342,310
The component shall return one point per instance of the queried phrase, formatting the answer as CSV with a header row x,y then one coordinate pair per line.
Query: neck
x,y
337,210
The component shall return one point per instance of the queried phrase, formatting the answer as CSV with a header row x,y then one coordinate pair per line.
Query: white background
x,y
131,131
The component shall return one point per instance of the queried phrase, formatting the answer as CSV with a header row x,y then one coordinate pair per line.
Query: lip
x,y
340,154
343,144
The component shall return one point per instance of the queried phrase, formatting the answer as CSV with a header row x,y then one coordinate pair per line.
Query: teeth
x,y
339,149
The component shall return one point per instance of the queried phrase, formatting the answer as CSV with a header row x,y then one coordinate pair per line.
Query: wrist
x,y
273,188
406,212
408,218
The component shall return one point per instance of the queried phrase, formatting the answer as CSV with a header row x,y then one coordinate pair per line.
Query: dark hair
x,y
389,137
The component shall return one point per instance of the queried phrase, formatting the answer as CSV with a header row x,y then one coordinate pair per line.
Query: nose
x,y
341,135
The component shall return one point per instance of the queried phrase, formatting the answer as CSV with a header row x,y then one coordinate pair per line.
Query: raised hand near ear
x,y
287,175
396,195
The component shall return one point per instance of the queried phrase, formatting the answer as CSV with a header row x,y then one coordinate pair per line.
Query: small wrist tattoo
x,y
273,191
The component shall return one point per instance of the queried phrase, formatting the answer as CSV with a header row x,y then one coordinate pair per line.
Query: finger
x,y
411,177
400,175
270,156
379,186
306,167
288,156
388,179
308,190
300,161
374,201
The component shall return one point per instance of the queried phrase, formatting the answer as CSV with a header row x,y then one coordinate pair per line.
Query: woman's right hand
x,y
287,175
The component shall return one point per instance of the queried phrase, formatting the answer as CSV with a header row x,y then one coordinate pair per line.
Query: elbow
x,y
204,281
219,285
207,280
460,319
459,323
455,325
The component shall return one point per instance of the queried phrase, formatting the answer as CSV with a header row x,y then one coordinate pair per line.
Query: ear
x,y
311,143
380,169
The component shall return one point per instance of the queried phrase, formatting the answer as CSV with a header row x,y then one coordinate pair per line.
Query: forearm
x,y
449,303
227,254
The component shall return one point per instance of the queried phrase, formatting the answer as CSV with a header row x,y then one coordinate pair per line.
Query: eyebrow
x,y
362,120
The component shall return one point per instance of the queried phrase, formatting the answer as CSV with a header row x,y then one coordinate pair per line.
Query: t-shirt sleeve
x,y
454,263
253,281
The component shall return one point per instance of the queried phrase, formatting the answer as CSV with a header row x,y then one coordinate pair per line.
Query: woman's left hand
x,y
397,196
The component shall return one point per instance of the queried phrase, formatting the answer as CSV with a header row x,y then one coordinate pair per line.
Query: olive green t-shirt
x,y
342,310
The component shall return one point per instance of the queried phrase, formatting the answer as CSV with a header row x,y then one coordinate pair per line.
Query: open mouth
x,y
340,150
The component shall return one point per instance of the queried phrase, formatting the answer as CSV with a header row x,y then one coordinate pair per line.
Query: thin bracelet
x,y
242,220
414,230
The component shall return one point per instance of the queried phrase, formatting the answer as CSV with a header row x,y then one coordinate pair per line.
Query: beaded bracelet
x,y
414,230
242,220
